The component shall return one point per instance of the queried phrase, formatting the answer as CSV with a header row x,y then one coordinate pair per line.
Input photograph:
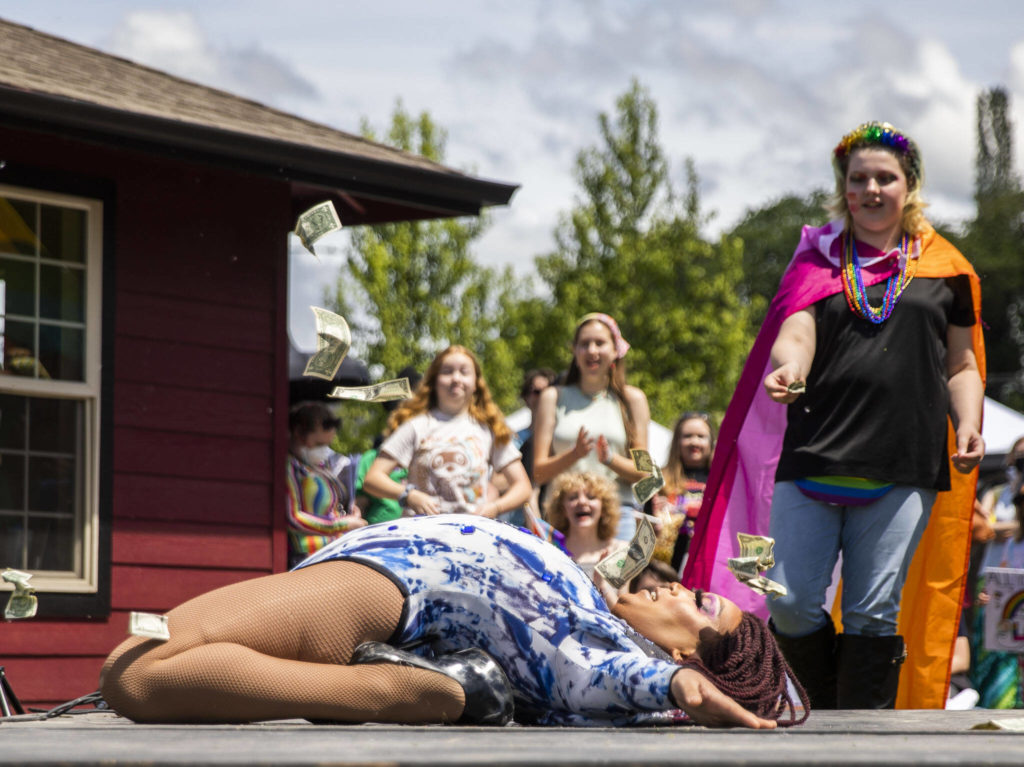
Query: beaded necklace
x,y
853,282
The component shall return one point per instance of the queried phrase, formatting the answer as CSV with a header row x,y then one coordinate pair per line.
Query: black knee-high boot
x,y
813,659
869,670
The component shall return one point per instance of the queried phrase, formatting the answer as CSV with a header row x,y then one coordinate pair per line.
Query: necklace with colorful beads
x,y
853,282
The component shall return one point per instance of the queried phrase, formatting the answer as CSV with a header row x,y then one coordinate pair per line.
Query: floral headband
x,y
878,134
621,345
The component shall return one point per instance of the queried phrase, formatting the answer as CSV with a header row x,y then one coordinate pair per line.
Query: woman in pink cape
x,y
863,442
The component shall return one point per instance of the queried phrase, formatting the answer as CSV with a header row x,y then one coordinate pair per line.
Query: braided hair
x,y
747,665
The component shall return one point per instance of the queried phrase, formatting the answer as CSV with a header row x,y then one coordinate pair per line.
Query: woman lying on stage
x,y
452,619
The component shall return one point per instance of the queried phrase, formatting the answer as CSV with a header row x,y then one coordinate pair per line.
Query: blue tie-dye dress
x,y
474,582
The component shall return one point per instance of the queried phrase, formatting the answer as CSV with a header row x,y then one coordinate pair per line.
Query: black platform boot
x,y
813,659
487,689
869,670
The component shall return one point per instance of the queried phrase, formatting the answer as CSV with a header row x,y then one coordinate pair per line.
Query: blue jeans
x,y
877,542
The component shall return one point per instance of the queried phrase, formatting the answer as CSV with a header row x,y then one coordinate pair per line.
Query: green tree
x,y
994,242
410,289
770,235
631,248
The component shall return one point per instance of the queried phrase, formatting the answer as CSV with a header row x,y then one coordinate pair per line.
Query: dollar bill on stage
x,y
148,625
395,389
625,564
644,489
316,222
333,340
22,602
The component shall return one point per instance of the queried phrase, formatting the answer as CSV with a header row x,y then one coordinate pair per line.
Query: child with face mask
x,y
320,501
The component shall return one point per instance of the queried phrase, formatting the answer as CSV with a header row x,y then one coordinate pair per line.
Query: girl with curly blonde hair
x,y
584,507
451,438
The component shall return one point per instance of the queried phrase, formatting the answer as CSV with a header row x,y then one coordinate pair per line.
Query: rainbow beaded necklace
x,y
853,282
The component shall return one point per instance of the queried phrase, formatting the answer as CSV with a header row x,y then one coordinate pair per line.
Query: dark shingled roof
x,y
52,84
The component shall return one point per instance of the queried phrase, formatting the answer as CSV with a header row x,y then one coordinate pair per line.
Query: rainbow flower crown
x,y
879,134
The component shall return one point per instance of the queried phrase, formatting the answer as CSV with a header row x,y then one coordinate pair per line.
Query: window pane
x,y
61,352
51,543
19,286
61,293
55,425
62,231
12,421
51,484
12,482
20,348
12,540
17,226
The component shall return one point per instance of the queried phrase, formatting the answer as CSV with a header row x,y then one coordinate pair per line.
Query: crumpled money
x,y
148,625
757,554
333,340
23,602
644,489
320,220
621,566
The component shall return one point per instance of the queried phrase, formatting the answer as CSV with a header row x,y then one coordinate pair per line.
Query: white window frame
x,y
84,578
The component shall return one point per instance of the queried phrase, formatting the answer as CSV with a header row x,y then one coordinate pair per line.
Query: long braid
x,y
747,665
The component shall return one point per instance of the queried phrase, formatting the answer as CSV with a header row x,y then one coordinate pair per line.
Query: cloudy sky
x,y
755,91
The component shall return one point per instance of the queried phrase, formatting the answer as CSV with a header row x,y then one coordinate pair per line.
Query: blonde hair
x,y
593,485
424,399
616,382
913,221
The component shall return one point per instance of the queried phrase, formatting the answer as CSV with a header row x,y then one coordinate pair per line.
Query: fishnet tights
x,y
276,648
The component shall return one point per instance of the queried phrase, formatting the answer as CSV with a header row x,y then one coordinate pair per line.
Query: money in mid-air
x,y
760,546
333,340
797,387
625,564
644,489
756,556
395,389
23,602
148,625
319,220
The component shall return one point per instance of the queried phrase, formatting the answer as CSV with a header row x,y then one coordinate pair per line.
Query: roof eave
x,y
442,193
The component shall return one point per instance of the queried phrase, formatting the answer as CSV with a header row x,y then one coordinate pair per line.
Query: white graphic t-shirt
x,y
451,458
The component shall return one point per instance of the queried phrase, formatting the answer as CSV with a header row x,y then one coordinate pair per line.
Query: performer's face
x,y
671,619
876,192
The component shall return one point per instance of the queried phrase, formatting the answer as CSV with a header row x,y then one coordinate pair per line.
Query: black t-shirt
x,y
877,397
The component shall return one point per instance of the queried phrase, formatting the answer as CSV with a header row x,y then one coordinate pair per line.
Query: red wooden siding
x,y
200,390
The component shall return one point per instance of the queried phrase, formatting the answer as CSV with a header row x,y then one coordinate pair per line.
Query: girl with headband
x,y
591,421
864,441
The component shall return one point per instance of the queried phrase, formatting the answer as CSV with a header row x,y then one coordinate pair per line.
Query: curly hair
x,y
424,399
595,486
747,665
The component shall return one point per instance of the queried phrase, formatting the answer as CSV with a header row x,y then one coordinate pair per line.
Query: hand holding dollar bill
x,y
644,489
625,564
148,625
757,554
23,602
333,340
395,389
316,222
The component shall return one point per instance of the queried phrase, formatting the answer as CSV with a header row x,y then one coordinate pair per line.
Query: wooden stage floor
x,y
828,738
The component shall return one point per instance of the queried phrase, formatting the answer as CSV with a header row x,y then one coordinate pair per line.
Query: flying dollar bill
x,y
396,388
148,625
333,340
757,554
625,564
644,489
23,602
315,223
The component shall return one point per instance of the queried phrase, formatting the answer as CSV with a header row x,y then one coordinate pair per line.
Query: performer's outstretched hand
x,y
706,704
